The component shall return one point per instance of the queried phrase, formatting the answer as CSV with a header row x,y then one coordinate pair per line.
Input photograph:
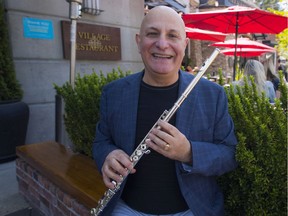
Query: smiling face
x,y
161,43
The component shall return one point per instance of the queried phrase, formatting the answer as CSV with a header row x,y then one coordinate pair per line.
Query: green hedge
x,y
10,88
82,107
257,187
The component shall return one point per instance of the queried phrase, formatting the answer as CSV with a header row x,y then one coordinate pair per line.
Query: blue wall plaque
x,y
38,28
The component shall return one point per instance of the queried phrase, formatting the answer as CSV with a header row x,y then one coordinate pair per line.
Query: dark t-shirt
x,y
154,188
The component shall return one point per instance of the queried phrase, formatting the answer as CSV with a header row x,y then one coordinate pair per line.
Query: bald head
x,y
161,43
167,14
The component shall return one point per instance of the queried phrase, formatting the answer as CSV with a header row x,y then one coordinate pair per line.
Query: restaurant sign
x,y
93,42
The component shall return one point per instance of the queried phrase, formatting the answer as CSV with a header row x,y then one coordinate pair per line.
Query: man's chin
x,y
163,68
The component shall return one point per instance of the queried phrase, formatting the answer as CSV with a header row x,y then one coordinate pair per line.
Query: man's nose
x,y
162,42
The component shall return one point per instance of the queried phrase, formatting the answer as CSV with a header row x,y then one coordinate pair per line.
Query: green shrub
x,y
82,107
9,86
259,185
221,80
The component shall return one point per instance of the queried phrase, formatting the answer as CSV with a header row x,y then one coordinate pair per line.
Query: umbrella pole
x,y
235,56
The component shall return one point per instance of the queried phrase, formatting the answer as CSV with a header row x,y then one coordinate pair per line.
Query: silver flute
x,y
142,148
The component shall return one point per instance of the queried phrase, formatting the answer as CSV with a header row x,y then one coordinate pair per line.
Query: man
x,y
198,144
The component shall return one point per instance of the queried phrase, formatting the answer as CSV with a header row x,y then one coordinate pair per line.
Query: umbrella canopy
x,y
237,19
200,34
242,43
245,52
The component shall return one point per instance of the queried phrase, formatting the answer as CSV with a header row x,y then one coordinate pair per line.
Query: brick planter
x,y
45,196
53,191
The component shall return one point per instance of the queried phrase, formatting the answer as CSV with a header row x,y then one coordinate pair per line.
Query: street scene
x,y
147,107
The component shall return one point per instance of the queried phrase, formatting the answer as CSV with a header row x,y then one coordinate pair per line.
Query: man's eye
x,y
152,34
173,35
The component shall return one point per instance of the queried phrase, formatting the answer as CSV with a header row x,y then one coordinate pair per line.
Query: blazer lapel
x,y
129,111
186,110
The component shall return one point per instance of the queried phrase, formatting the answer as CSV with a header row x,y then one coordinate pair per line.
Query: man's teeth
x,y
162,56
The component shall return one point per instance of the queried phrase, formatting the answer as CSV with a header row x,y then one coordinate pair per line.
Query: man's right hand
x,y
116,166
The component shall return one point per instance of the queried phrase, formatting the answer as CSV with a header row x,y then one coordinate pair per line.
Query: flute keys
x,y
101,202
135,158
147,152
114,183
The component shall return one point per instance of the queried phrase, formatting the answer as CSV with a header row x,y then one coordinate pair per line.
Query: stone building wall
x,y
40,63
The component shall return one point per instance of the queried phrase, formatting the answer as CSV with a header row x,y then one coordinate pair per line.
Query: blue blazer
x,y
203,117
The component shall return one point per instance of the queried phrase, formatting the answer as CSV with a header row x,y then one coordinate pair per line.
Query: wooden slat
x,y
75,174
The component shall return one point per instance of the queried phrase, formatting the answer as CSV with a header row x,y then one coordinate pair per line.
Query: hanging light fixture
x,y
91,7
209,3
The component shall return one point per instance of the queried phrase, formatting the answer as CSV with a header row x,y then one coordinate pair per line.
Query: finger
x,y
109,171
125,161
168,128
156,147
119,161
159,137
132,171
107,181
116,167
112,179
167,147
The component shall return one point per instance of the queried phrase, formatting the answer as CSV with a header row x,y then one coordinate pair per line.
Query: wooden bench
x,y
75,174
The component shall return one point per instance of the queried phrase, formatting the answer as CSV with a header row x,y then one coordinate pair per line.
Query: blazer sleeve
x,y
118,112
213,149
102,144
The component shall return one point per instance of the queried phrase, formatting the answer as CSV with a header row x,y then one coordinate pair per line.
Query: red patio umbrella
x,y
242,43
245,52
237,19
200,34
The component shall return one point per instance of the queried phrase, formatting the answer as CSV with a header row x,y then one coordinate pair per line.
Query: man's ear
x,y
138,39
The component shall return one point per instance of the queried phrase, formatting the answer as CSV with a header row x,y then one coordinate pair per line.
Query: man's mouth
x,y
161,56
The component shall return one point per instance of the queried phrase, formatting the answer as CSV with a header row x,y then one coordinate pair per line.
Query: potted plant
x,y
14,113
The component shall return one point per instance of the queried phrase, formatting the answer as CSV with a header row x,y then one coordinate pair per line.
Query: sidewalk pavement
x,y
11,202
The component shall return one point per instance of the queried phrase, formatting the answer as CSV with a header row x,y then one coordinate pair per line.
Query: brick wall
x,y
44,195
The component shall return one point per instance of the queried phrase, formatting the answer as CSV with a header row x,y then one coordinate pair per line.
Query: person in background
x,y
256,69
178,177
282,67
272,75
189,69
195,70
